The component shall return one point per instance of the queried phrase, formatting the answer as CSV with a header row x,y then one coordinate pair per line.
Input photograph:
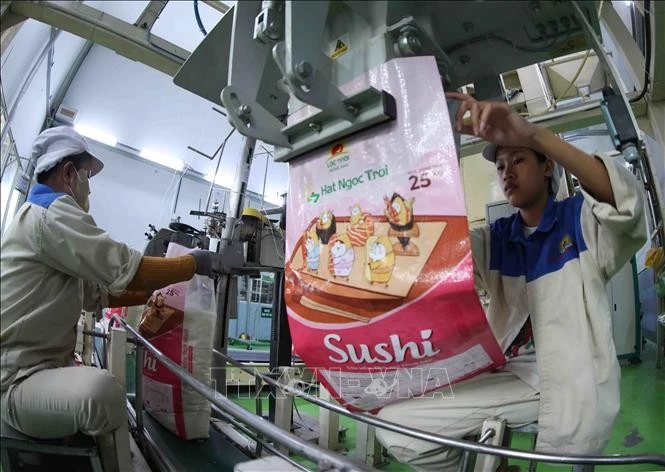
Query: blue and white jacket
x,y
55,262
557,275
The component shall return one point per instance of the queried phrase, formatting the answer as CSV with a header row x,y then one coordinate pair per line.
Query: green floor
x,y
639,429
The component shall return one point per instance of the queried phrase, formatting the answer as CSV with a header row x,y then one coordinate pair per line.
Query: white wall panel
x,y
144,109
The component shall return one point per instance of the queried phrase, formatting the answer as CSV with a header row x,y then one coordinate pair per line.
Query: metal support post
x,y
138,398
609,66
49,69
217,5
258,386
583,468
116,355
150,14
239,189
86,354
368,448
225,289
284,402
118,367
280,337
220,338
329,423
491,435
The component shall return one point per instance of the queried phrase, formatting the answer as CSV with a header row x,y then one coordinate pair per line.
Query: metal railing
x,y
326,459
616,459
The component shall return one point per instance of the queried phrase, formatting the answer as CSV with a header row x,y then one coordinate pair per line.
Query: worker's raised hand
x,y
495,122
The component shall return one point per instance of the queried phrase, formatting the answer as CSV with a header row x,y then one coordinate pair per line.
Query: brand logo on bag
x,y
392,351
338,158
312,197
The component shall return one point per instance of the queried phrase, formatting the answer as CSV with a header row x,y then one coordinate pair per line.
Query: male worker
x,y
55,262
545,269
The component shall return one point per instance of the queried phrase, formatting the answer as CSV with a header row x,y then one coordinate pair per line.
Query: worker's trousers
x,y
456,412
55,403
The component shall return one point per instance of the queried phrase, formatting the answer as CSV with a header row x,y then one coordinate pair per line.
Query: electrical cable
x,y
219,150
575,76
265,177
279,253
496,37
647,29
571,82
647,52
167,192
198,18
272,229
302,420
178,187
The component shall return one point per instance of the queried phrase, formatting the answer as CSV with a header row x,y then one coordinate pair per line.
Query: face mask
x,y
81,191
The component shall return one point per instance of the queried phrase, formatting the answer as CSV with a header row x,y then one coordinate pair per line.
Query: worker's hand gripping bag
x,y
379,276
179,320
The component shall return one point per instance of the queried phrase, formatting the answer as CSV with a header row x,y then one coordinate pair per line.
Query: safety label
x,y
339,47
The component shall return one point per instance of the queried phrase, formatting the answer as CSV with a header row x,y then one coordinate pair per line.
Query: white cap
x,y
54,144
489,153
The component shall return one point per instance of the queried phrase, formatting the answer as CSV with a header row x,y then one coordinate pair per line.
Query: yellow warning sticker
x,y
339,47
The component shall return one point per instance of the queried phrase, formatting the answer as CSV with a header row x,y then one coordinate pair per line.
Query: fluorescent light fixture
x,y
95,134
168,161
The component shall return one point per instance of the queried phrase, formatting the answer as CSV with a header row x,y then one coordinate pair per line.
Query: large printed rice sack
x,y
179,320
107,320
131,315
379,275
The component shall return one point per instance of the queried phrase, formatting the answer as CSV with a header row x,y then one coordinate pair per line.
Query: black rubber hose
x,y
198,18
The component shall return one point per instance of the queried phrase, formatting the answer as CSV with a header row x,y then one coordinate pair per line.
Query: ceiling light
x,y
96,135
162,159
